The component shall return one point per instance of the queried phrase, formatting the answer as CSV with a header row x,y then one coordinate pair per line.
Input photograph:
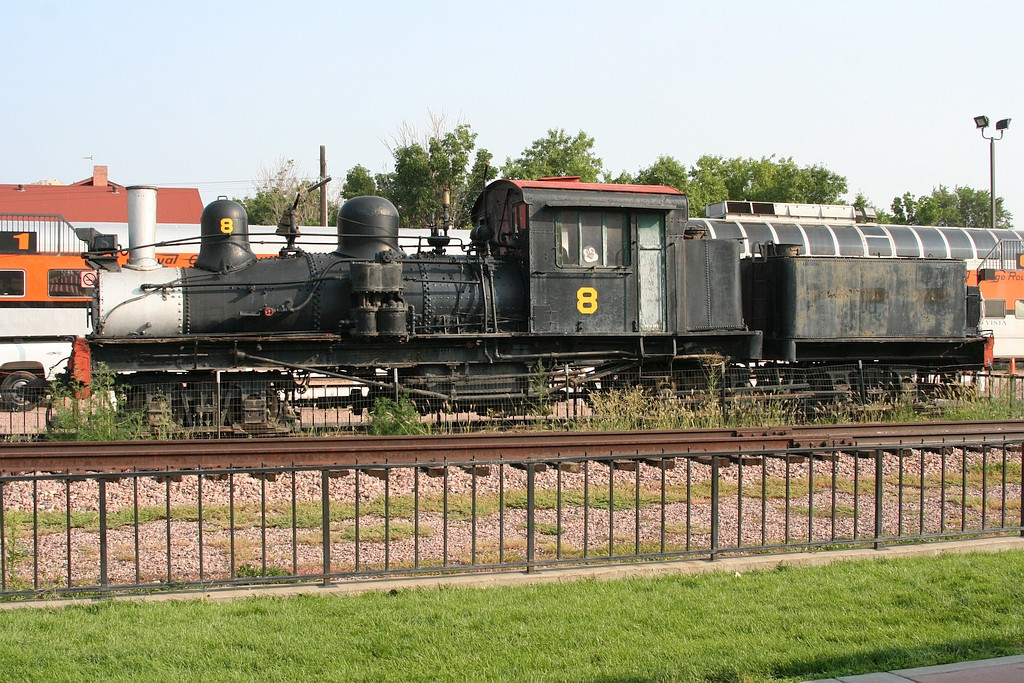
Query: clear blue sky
x,y
205,93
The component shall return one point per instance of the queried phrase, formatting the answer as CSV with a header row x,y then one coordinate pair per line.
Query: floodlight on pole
x,y
982,122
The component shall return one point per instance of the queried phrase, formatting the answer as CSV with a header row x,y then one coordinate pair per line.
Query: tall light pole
x,y
982,123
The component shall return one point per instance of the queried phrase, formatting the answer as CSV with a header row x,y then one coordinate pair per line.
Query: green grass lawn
x,y
787,624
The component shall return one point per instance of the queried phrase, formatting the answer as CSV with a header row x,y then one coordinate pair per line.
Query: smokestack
x,y
142,228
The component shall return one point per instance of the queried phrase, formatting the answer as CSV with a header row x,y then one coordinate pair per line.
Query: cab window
x,y
12,283
592,239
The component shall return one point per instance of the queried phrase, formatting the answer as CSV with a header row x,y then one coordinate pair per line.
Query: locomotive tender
x,y
602,281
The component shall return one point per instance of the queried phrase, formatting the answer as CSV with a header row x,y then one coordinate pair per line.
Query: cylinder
x,y
391,320
391,276
142,228
366,276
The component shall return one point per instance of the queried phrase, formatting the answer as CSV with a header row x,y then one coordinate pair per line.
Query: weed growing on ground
x,y
97,415
390,417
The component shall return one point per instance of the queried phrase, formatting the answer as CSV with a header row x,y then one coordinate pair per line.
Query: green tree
x,y
961,206
770,180
276,190
358,183
558,154
714,178
424,171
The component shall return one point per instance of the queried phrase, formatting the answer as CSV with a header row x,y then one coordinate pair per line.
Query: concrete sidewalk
x,y
998,670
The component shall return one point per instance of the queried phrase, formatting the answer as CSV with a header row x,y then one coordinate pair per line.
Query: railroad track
x,y
368,451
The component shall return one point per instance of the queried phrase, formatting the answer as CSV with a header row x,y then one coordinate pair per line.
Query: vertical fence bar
x,y
263,522
295,523
611,508
472,520
231,521
835,474
810,497
942,489
167,513
530,518
739,502
764,499
1002,507
357,487
136,531
899,492
199,510
963,489
878,497
325,523
714,507
689,501
856,494
636,525
416,517
984,486
67,539
558,511
920,526
35,535
3,539
664,500
444,518
586,509
387,517
102,481
789,481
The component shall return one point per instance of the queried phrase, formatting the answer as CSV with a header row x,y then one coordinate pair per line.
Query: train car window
x,y
820,240
983,241
905,240
12,283
934,245
1018,309
758,234
790,234
592,239
995,308
960,245
66,283
849,240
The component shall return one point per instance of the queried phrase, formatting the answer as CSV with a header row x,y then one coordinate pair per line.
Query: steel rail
x,y
368,451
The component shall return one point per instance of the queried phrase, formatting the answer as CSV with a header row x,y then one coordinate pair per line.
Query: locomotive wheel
x,y
21,390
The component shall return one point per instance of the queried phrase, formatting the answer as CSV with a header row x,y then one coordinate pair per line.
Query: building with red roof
x,y
97,200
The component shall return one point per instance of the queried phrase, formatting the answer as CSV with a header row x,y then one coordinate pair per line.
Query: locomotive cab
x,y
613,260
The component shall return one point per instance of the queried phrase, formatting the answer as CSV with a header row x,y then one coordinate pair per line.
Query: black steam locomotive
x,y
598,281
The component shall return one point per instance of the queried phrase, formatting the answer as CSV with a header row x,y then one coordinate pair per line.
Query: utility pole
x,y
323,188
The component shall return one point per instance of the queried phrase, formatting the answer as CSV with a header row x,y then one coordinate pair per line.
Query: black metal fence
x,y
141,531
713,396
